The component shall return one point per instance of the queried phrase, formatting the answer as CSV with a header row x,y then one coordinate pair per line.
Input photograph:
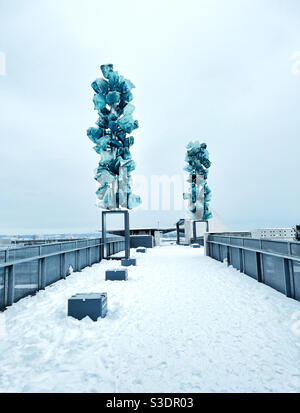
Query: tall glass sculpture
x,y
199,194
113,140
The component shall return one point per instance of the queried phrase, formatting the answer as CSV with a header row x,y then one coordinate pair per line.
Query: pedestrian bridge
x,y
183,322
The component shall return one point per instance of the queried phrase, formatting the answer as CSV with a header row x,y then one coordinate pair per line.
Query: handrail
x,y
262,251
10,263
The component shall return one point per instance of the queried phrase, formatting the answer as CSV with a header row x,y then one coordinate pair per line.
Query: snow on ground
x,y
182,323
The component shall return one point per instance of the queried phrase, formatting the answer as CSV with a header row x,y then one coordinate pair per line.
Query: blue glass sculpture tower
x,y
199,195
113,140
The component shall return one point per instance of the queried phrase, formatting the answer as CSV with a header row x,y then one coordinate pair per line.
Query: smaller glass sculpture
x,y
199,195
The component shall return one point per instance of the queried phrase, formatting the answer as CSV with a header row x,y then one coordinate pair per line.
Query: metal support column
x,y
105,254
195,228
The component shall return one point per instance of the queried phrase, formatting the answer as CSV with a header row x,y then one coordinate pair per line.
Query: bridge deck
x,y
182,323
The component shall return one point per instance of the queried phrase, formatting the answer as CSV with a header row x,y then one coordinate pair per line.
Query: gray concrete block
x,y
116,275
128,262
93,305
142,250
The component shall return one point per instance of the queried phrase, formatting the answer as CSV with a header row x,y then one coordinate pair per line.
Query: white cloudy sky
x,y
218,71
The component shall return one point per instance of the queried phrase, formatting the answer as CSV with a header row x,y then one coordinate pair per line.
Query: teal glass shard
x,y
109,200
102,121
133,201
127,97
106,70
122,197
100,86
112,98
128,110
102,144
94,134
102,191
126,123
129,84
105,158
115,144
113,126
104,177
125,153
129,142
95,87
99,102
113,80
113,117
188,168
130,165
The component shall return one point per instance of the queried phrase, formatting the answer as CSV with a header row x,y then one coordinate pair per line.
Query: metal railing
x,y
274,263
26,270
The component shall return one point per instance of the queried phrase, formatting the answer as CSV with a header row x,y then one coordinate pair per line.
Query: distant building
x,y
278,233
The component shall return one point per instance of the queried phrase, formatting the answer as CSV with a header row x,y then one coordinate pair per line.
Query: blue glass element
x,y
113,80
106,69
100,86
128,110
199,195
94,134
126,123
133,201
102,121
99,101
111,100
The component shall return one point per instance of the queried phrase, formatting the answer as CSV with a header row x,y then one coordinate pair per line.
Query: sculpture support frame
x,y
178,224
195,229
126,234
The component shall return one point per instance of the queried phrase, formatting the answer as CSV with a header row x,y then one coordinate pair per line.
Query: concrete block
x,y
116,275
146,241
142,250
93,305
196,245
127,262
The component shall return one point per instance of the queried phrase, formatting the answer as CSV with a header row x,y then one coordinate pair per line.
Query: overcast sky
x,y
210,70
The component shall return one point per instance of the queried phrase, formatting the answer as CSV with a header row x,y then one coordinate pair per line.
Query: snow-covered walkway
x,y
182,323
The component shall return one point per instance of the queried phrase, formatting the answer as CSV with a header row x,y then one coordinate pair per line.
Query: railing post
x,y
241,259
206,244
11,286
258,267
5,278
287,277
62,266
39,269
76,257
127,235
291,271
88,256
100,250
43,273
104,242
261,262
